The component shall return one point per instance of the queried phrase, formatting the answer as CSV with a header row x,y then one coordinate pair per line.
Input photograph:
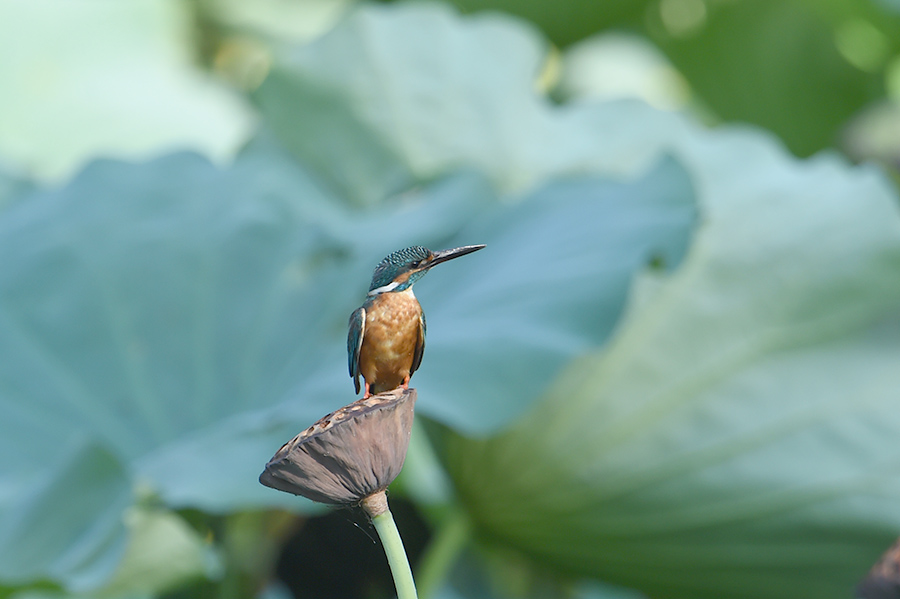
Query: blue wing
x,y
354,343
420,344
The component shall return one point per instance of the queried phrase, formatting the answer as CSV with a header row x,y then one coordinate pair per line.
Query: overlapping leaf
x,y
549,288
738,437
393,96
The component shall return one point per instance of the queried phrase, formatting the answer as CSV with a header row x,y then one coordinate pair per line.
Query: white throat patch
x,y
384,289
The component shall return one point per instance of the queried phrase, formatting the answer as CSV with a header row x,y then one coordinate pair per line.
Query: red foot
x,y
366,394
405,383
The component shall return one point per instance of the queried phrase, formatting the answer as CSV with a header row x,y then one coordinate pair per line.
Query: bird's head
x,y
400,270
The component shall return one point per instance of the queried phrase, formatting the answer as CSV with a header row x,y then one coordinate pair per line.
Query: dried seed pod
x,y
349,454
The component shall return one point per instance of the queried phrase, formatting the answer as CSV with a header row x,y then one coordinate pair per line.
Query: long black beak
x,y
444,255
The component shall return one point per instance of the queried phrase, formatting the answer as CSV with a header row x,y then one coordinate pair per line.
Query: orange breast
x,y
389,343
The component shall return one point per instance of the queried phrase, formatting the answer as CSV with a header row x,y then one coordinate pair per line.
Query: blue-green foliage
x,y
641,345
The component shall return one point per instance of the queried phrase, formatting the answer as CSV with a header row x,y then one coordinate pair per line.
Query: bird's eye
x,y
416,264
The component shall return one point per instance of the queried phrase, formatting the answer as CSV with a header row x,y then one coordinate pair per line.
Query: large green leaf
x,y
738,436
392,96
550,286
135,310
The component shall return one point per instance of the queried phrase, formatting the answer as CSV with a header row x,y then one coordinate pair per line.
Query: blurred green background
x,y
673,373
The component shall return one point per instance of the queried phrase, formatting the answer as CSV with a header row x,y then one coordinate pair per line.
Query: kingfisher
x,y
387,333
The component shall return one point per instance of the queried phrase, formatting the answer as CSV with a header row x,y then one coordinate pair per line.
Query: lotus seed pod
x,y
349,454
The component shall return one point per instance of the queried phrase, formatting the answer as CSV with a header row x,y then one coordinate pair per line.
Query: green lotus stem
x,y
377,508
396,556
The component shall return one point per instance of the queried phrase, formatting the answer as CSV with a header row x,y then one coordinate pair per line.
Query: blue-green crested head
x,y
401,264
401,269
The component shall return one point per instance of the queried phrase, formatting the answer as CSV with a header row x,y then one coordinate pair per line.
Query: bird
x,y
387,333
